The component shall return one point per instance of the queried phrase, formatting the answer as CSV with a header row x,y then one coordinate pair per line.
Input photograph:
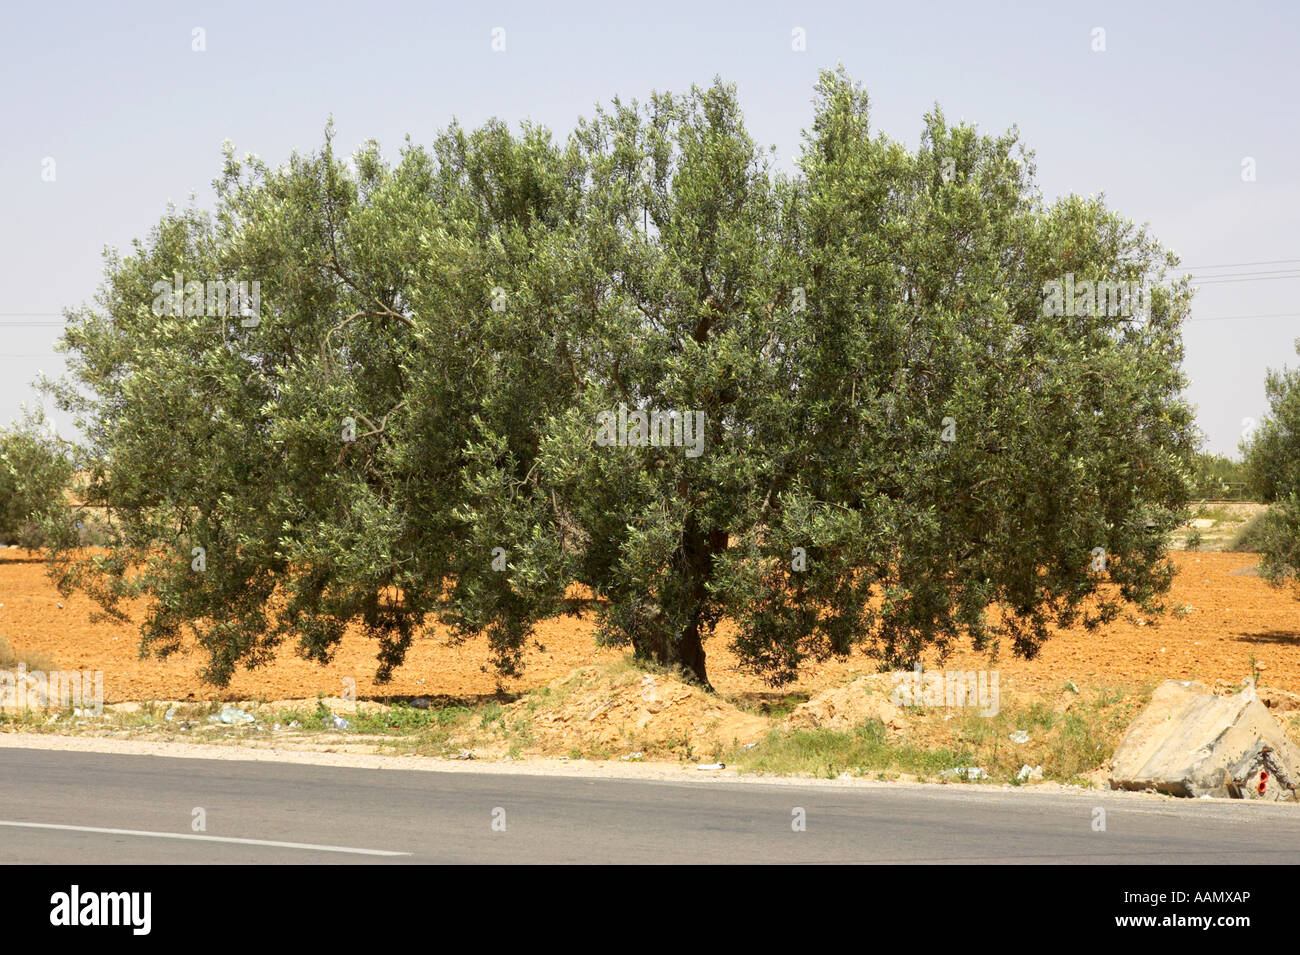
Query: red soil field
x,y
1232,615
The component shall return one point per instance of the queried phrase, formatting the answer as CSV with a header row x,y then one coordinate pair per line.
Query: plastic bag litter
x,y
232,715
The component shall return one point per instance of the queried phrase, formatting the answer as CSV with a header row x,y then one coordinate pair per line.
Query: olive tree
x,y
35,477
1273,472
638,373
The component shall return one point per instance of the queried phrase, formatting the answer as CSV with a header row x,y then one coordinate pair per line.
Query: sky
x,y
110,112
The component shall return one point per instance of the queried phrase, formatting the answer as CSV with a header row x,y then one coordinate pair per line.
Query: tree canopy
x,y
35,476
1272,455
401,423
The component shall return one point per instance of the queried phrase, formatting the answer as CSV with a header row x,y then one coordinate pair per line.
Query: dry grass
x,y
32,660
1071,739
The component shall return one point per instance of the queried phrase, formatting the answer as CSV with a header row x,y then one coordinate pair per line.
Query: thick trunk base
x,y
685,653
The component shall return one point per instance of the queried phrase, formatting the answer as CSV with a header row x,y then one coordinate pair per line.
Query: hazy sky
x,y
1161,121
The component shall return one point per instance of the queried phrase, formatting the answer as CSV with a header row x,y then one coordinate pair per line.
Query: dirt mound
x,y
1278,701
844,707
619,710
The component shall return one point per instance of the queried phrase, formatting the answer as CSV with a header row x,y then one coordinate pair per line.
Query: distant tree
x,y
437,412
1272,455
35,474
1218,477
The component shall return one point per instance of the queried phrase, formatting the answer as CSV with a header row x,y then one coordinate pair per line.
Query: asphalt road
x,y
84,808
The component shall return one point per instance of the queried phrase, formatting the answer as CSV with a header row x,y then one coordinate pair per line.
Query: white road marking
x,y
198,838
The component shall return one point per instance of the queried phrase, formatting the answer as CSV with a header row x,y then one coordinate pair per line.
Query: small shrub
x,y
1250,538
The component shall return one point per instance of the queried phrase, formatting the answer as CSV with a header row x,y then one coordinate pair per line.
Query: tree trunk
x,y
690,653
686,648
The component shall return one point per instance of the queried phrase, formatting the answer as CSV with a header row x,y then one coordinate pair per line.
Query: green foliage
x,y
477,306
1250,538
35,474
828,753
1067,745
1217,477
1273,469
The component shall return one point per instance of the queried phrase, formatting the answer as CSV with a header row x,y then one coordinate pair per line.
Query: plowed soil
x,y
1230,614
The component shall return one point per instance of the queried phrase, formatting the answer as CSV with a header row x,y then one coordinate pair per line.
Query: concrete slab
x,y
1191,742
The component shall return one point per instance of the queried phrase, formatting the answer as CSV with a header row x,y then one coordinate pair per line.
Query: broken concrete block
x,y
1191,742
1261,775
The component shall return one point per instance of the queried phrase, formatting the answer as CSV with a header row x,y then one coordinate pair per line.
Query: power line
x,y
1199,318
1231,265
1238,275
1227,281
1230,278
1233,318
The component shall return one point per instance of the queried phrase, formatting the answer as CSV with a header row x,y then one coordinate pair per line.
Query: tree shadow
x,y
439,701
1285,637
